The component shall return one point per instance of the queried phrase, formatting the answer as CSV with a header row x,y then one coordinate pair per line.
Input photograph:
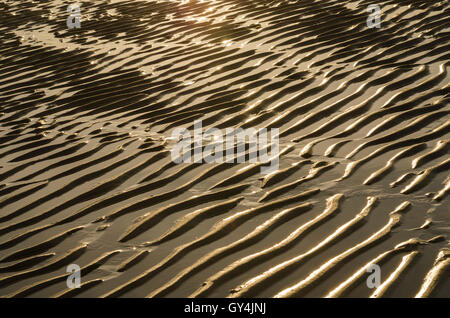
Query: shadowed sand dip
x,y
87,177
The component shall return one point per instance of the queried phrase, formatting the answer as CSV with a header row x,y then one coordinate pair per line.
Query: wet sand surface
x,y
86,175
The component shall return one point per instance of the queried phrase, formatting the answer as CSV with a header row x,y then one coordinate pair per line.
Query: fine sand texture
x,y
87,177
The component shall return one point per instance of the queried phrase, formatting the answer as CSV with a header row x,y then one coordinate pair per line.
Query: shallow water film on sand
x,y
93,204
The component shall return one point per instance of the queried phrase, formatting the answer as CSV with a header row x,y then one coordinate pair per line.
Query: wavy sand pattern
x,y
86,175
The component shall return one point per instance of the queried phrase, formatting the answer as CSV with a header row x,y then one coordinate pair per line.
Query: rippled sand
x,y
86,175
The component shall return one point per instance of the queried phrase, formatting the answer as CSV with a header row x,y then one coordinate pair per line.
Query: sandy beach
x,y
87,114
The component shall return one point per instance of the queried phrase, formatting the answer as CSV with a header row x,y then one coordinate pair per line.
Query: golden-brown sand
x,y
86,175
